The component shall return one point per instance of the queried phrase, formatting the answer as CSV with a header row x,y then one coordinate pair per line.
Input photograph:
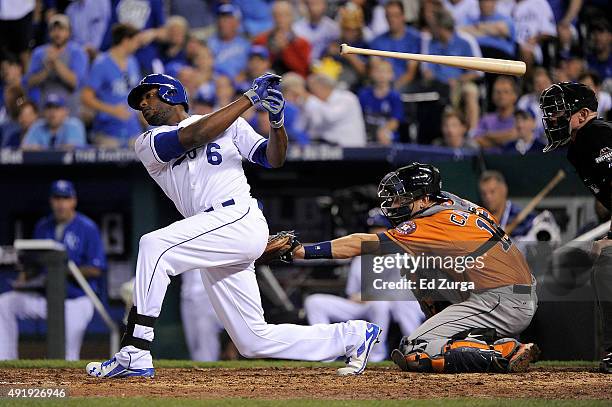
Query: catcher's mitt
x,y
279,248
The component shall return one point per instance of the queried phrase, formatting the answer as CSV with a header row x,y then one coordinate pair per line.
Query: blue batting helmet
x,y
170,90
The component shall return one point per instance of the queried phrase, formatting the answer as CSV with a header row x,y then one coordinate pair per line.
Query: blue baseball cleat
x,y
358,359
113,369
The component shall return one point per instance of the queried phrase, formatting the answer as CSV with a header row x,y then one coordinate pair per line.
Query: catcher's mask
x,y
399,189
558,103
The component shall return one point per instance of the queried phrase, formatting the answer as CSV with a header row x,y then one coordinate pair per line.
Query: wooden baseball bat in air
x,y
500,66
535,201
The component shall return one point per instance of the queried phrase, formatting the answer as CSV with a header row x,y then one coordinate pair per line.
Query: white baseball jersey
x,y
205,176
532,18
223,234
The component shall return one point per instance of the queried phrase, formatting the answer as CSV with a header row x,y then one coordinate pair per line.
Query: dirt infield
x,y
321,383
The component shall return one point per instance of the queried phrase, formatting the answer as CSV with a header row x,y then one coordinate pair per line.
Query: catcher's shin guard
x,y
463,353
457,360
134,318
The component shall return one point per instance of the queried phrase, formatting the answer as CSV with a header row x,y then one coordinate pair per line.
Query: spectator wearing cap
x,y
89,20
229,48
497,128
83,243
56,130
527,140
399,38
494,32
59,67
317,27
288,51
148,18
112,76
457,82
600,59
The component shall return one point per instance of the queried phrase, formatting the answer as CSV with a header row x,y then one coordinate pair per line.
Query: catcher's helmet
x,y
399,189
558,103
170,90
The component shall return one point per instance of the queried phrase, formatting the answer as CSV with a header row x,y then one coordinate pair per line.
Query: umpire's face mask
x,y
556,115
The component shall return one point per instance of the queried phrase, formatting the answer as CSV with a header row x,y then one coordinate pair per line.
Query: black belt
x,y
521,289
223,204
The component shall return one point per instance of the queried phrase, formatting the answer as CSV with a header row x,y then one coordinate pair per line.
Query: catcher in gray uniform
x,y
477,302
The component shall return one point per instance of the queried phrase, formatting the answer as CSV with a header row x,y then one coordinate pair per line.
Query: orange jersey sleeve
x,y
458,233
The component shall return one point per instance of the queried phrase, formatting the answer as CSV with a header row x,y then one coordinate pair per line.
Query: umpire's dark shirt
x,y
591,154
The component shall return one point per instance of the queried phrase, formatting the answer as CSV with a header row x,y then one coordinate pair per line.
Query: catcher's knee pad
x,y
134,318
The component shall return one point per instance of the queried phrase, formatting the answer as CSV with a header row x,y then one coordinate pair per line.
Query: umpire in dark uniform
x,y
570,117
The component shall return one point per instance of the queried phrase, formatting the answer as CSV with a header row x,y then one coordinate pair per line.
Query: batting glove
x,y
274,103
260,87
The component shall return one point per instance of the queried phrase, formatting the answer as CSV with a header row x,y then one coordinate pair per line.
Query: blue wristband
x,y
322,250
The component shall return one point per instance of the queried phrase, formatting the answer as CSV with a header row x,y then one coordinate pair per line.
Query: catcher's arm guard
x,y
280,247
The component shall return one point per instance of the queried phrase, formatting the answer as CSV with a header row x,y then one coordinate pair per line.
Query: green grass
x,y
241,364
131,402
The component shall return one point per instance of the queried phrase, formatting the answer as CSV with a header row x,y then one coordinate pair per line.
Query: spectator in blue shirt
x,y
256,15
459,82
230,49
84,247
399,38
112,76
58,67
89,20
381,104
144,15
494,197
494,32
56,130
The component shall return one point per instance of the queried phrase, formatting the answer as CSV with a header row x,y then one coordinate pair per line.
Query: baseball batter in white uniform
x,y
197,161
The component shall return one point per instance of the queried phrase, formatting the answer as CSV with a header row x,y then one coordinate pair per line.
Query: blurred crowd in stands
x,y
68,65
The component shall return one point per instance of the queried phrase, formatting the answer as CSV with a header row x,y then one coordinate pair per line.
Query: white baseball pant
x,y
16,305
223,244
327,308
